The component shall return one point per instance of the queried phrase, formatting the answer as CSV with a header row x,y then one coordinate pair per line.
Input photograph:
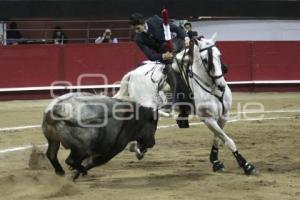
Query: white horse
x,y
212,96
143,85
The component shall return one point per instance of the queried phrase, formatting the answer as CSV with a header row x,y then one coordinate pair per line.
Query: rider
x,y
149,36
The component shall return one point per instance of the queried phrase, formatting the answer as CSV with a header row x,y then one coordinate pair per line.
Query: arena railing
x,y
77,31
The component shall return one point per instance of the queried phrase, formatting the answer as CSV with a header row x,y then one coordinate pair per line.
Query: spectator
x,y
181,24
106,38
188,28
13,35
59,36
1,39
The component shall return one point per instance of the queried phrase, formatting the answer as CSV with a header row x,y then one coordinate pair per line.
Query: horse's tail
x,y
123,91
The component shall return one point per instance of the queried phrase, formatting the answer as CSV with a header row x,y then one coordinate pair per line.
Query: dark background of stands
x,y
121,9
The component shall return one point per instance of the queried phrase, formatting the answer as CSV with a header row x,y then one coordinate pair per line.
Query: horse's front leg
x,y
218,166
218,131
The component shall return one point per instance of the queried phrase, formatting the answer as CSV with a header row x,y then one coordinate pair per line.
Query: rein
x,y
184,73
159,82
197,79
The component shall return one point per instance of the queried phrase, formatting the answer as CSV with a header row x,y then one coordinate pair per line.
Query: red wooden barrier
x,y
111,60
238,56
276,61
40,65
27,66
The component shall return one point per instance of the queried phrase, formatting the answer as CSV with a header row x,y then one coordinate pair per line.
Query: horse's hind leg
x,y
53,147
218,131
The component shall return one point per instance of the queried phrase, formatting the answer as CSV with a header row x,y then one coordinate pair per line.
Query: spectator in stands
x,y
188,28
1,39
181,24
13,35
106,38
59,37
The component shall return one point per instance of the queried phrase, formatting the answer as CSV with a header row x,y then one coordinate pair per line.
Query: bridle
x,y
209,62
208,69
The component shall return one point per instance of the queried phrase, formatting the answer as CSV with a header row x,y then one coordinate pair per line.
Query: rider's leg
x,y
179,95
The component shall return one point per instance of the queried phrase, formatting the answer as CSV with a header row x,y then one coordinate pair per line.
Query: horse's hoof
x,y
218,167
250,169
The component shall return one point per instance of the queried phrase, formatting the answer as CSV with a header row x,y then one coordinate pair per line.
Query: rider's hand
x,y
187,41
167,56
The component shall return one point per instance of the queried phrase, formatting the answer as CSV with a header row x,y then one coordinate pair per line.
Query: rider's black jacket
x,y
152,42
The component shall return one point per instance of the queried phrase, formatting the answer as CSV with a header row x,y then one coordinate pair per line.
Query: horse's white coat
x,y
137,85
141,85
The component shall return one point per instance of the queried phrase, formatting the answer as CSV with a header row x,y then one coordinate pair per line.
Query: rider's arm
x,y
179,31
151,55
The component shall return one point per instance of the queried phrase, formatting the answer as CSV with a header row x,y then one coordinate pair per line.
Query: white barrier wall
x,y
250,30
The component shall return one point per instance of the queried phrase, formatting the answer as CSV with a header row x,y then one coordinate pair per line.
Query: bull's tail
x,y
123,92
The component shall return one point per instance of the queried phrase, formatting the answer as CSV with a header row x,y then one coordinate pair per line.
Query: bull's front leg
x,y
99,160
139,149
74,161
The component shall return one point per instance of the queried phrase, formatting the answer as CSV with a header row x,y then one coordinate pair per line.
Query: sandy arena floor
x,y
176,168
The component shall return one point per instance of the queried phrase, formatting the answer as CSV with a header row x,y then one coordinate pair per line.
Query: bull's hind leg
x,y
218,131
53,147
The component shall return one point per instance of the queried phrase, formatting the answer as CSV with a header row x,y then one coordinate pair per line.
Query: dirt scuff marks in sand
x,y
178,166
28,184
37,181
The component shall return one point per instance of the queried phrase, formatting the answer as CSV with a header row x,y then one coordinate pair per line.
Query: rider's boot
x,y
182,120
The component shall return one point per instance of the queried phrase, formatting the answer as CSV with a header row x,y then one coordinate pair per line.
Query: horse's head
x,y
211,59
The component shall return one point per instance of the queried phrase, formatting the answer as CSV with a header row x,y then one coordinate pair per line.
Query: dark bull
x,y
95,129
